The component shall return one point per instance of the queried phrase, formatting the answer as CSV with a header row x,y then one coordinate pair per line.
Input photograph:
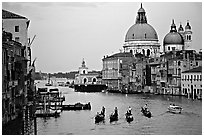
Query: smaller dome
x,y
173,38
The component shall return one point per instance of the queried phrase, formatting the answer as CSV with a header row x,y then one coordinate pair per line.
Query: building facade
x,y
191,83
115,72
85,77
17,70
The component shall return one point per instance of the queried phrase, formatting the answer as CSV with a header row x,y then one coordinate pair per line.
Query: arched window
x,y
85,80
148,52
94,79
189,37
143,52
84,71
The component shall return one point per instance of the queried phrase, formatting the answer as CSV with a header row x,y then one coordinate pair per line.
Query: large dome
x,y
174,38
141,31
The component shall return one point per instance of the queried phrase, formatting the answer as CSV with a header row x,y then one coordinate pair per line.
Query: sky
x,y
67,32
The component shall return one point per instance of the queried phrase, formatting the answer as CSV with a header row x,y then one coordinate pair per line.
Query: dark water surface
x,y
189,122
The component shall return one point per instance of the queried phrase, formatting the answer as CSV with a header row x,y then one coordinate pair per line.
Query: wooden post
x,y
35,125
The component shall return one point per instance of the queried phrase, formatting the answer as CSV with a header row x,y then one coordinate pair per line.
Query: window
x,y
17,39
179,63
16,28
168,48
196,63
179,71
189,37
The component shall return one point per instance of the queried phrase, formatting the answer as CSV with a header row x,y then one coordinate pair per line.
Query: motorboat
x,y
174,109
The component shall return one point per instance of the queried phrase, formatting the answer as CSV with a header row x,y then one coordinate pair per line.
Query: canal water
x,y
189,122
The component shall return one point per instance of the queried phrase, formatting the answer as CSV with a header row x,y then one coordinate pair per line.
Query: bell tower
x,y
83,69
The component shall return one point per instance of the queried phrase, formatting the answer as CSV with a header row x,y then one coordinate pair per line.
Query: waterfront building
x,y
115,67
17,71
85,77
13,77
172,64
18,25
141,37
191,83
149,70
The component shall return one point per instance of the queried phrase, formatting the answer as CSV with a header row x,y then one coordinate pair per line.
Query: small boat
x,y
48,113
113,117
146,113
129,117
99,118
77,106
174,109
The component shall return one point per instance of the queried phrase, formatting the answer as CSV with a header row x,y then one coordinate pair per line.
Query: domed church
x,y
142,37
181,40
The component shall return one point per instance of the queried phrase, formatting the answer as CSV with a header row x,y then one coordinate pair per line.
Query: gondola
x,y
113,117
146,113
128,117
99,118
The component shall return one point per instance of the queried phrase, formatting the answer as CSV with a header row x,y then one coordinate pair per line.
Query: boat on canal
x,y
128,117
47,113
174,109
77,106
113,117
99,118
146,112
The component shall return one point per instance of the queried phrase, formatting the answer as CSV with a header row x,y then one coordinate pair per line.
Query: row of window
x,y
187,90
189,85
190,77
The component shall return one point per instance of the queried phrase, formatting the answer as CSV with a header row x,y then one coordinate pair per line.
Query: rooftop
x,y
10,15
198,69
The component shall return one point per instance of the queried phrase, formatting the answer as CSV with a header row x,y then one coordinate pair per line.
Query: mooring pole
x,y
35,125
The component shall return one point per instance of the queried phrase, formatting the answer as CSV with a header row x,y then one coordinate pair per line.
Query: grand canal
x,y
162,123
